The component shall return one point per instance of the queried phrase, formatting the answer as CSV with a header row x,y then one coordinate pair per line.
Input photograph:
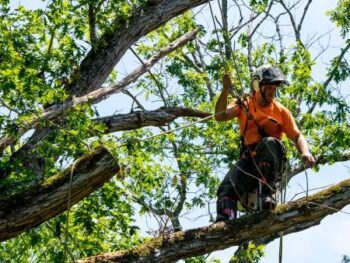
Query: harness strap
x,y
260,129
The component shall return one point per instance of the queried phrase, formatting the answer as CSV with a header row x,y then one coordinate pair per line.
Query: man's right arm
x,y
224,112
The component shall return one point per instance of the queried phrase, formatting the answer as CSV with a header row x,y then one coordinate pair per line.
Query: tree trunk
x,y
291,217
34,206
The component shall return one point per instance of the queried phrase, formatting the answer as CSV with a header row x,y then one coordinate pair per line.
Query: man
x,y
262,122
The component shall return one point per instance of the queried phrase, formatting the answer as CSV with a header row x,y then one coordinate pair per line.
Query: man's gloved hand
x,y
308,159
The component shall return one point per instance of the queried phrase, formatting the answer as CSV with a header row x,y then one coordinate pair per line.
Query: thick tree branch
x,y
291,217
29,209
55,111
99,62
139,119
130,121
92,25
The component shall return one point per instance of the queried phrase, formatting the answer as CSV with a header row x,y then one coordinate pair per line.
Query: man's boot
x,y
268,202
267,199
226,208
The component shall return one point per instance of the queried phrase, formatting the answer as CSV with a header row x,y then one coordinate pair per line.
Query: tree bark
x,y
291,217
139,119
34,206
99,62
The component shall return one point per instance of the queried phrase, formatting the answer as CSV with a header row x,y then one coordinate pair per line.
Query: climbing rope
x,y
232,51
173,130
233,92
283,190
218,39
68,212
306,181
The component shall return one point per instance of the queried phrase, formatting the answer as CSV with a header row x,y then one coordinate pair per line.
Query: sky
x,y
324,243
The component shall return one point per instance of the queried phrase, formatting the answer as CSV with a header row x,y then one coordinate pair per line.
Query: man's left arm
x,y
293,132
303,148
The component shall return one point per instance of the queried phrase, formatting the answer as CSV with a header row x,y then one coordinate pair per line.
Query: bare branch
x,y
303,15
134,99
139,119
262,20
159,85
291,17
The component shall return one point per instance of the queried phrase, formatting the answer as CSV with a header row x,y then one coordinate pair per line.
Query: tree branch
x,y
92,25
139,119
34,206
96,96
321,160
291,217
304,14
292,19
331,75
111,47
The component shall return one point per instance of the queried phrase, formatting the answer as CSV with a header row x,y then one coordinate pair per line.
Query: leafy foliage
x,y
340,16
166,177
252,254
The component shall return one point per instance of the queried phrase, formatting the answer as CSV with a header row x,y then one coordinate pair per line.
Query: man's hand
x,y
303,149
224,112
308,159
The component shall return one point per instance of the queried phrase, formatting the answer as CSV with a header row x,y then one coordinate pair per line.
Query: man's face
x,y
269,91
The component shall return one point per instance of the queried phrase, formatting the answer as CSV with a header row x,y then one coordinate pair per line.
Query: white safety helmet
x,y
267,74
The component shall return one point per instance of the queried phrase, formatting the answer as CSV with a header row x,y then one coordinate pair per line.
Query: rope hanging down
x,y
234,93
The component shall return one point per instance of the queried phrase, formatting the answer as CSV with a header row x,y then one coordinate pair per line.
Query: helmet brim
x,y
275,82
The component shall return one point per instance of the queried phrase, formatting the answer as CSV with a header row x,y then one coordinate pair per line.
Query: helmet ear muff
x,y
255,83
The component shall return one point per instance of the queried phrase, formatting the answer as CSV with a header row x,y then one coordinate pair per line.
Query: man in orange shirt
x,y
262,122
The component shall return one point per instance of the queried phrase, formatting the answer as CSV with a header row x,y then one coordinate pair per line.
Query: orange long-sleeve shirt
x,y
275,118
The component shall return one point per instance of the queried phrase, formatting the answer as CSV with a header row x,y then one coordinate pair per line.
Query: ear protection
x,y
255,83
